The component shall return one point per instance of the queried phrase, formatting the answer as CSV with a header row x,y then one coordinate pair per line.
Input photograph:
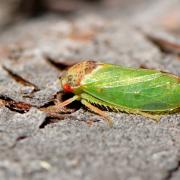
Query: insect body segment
x,y
138,91
71,80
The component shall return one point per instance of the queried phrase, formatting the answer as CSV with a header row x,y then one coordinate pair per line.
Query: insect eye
x,y
69,77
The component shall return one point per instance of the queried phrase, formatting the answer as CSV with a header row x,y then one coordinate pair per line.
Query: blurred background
x,y
163,12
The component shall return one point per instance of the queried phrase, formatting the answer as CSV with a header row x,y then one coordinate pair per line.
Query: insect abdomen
x,y
145,90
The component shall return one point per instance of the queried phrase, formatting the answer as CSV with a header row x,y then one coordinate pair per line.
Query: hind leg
x,y
108,106
98,111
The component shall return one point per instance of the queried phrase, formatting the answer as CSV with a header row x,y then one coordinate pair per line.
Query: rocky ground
x,y
78,144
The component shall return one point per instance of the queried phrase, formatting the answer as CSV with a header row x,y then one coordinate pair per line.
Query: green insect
x,y
138,91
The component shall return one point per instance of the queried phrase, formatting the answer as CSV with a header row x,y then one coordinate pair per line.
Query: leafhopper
x,y
139,91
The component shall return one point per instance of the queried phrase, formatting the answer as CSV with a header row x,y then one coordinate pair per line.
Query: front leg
x,y
58,106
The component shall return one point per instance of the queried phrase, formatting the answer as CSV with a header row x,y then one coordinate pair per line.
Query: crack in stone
x,y
12,105
49,120
165,45
21,80
171,172
60,66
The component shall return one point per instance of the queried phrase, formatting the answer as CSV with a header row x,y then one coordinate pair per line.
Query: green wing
x,y
141,89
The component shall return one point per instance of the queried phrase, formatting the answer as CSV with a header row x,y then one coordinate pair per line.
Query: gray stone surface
x,y
33,146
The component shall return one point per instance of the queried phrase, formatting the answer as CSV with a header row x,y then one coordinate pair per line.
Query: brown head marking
x,y
72,78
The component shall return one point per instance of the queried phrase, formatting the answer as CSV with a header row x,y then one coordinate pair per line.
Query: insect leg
x,y
57,107
89,98
98,111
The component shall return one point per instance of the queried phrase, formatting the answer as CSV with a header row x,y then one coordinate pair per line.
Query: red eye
x,y
67,88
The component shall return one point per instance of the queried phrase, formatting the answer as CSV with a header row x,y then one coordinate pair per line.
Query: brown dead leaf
x,y
18,106
13,105
2,103
143,66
